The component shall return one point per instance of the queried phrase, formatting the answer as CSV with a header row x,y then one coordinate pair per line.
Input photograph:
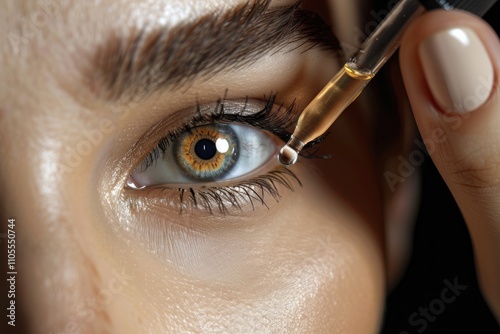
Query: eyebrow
x,y
170,57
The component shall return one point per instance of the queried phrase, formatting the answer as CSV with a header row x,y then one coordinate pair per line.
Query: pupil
x,y
205,149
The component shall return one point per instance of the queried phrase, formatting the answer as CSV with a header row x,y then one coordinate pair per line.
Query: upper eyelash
x,y
275,121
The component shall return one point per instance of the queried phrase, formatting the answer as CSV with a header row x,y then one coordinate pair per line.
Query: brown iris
x,y
207,152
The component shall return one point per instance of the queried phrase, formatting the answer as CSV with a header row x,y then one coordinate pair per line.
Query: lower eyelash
x,y
226,199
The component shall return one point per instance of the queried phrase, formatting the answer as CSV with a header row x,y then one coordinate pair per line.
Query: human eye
x,y
212,152
222,159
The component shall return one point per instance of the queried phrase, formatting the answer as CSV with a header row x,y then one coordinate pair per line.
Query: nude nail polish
x,y
458,69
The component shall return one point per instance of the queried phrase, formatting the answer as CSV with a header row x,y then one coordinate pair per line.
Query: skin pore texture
x,y
97,257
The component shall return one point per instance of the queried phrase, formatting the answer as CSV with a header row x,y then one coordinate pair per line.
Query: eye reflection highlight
x,y
206,154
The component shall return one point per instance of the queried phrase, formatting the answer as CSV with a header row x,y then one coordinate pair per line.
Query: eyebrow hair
x,y
219,41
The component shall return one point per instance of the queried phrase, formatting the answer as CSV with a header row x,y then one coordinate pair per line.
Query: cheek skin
x,y
305,269
61,271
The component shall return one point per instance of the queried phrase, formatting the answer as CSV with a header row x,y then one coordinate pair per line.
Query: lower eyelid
x,y
233,199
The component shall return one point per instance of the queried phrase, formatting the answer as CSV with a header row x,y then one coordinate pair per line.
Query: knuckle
x,y
478,171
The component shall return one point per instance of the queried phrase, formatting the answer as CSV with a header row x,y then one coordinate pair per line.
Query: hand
x,y
450,63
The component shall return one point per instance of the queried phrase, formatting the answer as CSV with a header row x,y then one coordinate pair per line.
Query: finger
x,y
450,63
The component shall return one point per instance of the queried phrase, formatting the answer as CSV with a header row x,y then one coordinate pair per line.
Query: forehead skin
x,y
79,274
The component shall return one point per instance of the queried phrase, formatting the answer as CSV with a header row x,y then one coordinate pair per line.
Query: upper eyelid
x,y
269,116
142,63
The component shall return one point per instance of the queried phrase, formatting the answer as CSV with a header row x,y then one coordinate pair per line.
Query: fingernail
x,y
458,69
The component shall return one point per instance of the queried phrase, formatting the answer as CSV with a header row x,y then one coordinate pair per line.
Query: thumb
x,y
450,61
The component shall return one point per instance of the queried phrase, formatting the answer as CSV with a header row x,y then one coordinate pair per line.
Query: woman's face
x,y
139,141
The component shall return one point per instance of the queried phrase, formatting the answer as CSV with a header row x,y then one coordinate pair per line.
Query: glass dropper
x,y
350,81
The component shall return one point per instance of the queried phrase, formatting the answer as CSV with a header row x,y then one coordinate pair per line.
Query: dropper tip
x,y
288,156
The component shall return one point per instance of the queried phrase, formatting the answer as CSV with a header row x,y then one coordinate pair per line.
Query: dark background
x,y
442,250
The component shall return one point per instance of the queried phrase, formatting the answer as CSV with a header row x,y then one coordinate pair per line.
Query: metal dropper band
x,y
478,8
346,86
